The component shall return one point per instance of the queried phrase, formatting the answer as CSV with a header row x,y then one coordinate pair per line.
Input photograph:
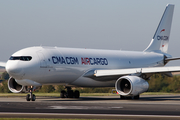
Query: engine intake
x,y
131,85
14,86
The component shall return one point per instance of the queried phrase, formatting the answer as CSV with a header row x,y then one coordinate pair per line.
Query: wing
x,y
3,64
112,74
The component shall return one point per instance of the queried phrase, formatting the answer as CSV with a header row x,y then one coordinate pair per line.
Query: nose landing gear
x,y
30,96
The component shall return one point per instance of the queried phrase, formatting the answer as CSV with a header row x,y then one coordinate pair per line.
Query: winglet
x,y
161,37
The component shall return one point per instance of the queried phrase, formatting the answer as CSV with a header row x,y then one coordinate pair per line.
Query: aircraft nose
x,y
14,69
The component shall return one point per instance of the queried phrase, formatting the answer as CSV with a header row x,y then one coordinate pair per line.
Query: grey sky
x,y
97,24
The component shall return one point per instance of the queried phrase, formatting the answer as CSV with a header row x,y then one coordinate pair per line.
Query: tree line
x,y
157,83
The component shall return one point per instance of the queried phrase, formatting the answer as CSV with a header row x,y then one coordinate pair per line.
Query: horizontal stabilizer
x,y
170,59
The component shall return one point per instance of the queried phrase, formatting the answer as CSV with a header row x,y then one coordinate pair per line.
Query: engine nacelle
x,y
14,86
131,85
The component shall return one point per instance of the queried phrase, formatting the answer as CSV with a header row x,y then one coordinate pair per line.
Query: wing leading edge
x,y
3,64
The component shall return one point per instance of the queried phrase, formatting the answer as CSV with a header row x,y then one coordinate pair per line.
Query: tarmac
x,y
148,107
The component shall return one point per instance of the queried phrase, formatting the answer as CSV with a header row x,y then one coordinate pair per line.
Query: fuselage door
x,y
43,63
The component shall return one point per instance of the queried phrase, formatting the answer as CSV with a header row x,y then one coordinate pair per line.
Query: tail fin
x,y
161,37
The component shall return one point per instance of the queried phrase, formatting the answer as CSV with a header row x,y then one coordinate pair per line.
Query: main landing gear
x,y
69,93
30,96
129,97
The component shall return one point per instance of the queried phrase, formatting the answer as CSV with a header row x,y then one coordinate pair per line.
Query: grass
x,y
159,93
82,94
46,119
31,119
1,73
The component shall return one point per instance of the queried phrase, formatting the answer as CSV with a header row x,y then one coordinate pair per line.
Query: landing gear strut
x,y
31,96
69,93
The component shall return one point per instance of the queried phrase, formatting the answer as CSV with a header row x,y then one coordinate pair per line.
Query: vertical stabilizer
x,y
161,37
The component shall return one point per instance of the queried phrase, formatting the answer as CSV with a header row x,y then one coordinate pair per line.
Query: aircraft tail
x,y
161,37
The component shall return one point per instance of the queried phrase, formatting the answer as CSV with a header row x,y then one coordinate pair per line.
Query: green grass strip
x,y
50,119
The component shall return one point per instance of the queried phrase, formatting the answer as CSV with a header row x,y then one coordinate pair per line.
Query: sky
x,y
96,24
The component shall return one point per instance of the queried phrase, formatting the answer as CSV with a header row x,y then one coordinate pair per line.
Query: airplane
x,y
128,71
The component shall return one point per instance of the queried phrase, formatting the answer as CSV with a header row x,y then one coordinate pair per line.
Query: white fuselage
x,y
53,65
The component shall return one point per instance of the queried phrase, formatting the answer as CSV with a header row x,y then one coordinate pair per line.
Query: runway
x,y
99,107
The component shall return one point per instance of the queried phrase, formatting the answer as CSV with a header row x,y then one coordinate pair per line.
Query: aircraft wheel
x,y
76,94
122,97
136,97
63,93
70,94
28,97
33,97
129,98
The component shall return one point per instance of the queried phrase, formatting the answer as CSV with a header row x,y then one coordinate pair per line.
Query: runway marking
x,y
82,107
68,107
116,107
74,107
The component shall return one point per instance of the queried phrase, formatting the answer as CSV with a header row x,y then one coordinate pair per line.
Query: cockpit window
x,y
23,58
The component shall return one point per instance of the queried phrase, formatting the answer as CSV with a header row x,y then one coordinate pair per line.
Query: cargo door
x,y
43,63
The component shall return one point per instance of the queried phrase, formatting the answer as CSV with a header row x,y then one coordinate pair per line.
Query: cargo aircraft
x,y
128,71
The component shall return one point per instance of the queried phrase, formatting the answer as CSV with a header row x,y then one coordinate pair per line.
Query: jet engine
x,y
15,87
131,85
